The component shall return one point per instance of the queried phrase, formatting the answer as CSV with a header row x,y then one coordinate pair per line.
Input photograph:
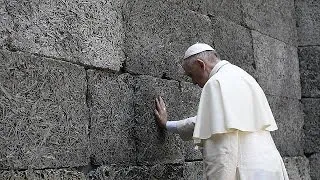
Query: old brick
x,y
309,58
158,34
112,119
308,22
311,125
314,166
277,66
297,167
227,9
276,18
200,6
181,101
189,151
193,170
6,24
155,145
167,171
86,32
47,174
288,115
159,171
190,95
234,43
116,172
44,119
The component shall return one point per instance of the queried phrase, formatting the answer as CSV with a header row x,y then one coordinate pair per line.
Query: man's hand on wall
x,y
161,112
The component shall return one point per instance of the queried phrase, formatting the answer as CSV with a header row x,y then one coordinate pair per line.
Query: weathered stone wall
x,y
308,27
78,81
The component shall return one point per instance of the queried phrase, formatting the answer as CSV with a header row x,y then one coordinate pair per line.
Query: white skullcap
x,y
197,48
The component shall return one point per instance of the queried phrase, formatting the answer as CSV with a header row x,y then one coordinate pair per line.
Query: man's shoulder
x,y
230,74
226,71
231,70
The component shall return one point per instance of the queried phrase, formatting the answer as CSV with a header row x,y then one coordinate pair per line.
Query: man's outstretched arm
x,y
183,127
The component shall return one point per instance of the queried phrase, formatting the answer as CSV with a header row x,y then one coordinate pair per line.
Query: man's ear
x,y
201,63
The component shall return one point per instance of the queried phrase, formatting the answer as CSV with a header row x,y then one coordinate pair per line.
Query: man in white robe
x,y
233,122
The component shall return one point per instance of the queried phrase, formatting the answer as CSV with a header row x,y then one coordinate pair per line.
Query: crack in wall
x,y
90,166
316,45
193,160
135,136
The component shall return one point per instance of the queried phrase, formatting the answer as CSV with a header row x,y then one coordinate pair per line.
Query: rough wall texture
x,y
78,81
44,119
85,32
111,107
157,34
308,27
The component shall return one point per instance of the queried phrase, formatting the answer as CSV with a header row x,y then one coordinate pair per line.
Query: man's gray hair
x,y
205,55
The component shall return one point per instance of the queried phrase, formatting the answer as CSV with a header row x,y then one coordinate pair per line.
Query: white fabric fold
x,y
171,126
231,100
185,128
242,156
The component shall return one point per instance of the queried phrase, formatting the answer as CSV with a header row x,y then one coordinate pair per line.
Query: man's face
x,y
196,72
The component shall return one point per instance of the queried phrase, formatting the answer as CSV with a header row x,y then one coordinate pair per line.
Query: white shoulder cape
x,y
231,100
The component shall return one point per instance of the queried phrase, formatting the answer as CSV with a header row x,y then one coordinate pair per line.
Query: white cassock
x,y
232,128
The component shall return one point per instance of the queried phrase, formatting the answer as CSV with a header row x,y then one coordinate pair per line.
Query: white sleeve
x,y
171,126
185,128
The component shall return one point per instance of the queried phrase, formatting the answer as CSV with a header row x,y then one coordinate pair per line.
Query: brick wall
x,y
78,81
308,27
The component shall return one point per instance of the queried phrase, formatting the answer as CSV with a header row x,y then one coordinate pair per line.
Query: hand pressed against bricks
x,y
161,112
